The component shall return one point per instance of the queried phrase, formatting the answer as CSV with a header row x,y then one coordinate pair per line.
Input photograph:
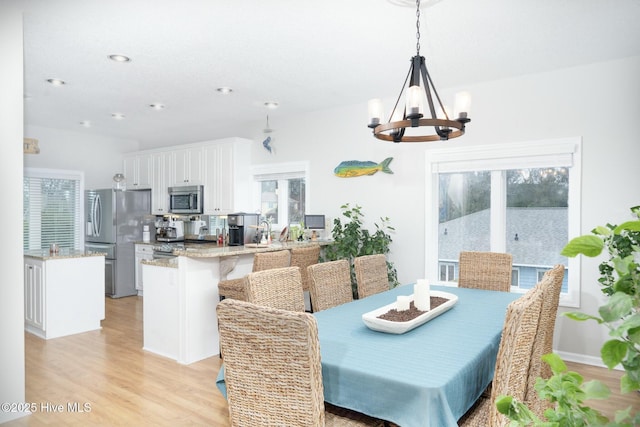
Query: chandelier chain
x,y
418,27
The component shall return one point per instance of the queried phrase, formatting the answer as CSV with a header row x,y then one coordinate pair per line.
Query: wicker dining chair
x,y
236,288
371,274
485,270
551,285
277,288
273,373
330,284
513,361
304,257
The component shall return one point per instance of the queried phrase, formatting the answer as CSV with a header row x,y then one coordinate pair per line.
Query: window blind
x,y
52,209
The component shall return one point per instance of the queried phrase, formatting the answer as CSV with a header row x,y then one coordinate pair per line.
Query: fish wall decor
x,y
353,168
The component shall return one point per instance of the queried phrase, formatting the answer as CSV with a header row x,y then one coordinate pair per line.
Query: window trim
x,y
500,157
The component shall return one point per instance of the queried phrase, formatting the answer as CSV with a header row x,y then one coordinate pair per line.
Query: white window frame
x,y
563,152
279,171
63,174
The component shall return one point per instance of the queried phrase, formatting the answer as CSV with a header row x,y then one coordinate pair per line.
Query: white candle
x,y
421,295
402,303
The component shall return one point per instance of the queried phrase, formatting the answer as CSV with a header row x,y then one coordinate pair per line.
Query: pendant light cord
x,y
418,27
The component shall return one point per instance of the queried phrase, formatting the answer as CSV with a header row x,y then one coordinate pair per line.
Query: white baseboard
x,y
587,360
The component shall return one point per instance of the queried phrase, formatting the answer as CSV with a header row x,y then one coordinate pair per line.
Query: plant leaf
x,y
627,385
618,306
612,352
596,390
580,317
629,226
588,245
555,362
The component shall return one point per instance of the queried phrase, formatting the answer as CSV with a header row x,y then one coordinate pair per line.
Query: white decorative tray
x,y
372,321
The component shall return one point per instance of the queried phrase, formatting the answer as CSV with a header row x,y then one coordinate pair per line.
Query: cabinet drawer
x,y
145,249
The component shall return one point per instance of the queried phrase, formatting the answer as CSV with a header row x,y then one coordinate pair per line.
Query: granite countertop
x,y
64,253
162,262
205,250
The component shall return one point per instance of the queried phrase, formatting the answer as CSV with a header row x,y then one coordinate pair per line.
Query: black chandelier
x,y
437,121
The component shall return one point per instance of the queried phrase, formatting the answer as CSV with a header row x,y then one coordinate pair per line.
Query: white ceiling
x,y
305,55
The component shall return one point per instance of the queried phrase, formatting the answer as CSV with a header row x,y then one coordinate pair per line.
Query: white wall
x,y
99,157
12,380
597,102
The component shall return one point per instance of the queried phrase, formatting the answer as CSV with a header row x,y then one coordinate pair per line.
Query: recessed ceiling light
x,y
56,82
119,58
117,116
157,106
271,105
224,90
85,123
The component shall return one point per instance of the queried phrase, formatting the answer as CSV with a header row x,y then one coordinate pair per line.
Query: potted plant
x,y
620,280
351,240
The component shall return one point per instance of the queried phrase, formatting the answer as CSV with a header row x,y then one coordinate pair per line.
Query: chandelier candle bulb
x,y
375,111
421,295
403,303
413,100
462,104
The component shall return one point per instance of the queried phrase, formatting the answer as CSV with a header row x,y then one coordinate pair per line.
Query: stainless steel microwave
x,y
186,200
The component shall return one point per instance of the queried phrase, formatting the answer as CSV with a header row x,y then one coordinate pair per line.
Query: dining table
x,y
427,376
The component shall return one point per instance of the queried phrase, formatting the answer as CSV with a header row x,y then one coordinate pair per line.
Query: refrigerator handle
x,y
97,215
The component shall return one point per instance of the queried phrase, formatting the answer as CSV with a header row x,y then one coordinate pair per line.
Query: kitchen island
x,y
181,295
63,292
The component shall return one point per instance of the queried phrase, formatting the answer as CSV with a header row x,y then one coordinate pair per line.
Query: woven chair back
x,y
485,270
303,258
268,260
550,286
236,288
277,288
272,365
330,284
515,351
371,274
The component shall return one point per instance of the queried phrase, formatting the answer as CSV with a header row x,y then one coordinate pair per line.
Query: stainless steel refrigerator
x,y
114,222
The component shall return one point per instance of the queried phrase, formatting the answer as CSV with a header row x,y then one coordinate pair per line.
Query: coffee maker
x,y
243,228
171,231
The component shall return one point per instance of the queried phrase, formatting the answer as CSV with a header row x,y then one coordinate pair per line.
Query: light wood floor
x,y
125,385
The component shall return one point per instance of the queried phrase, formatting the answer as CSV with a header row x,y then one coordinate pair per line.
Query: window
x,y
447,270
52,211
515,277
281,192
520,198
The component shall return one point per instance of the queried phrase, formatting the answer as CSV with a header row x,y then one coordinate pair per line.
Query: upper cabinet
x,y
221,166
226,188
187,167
138,171
161,176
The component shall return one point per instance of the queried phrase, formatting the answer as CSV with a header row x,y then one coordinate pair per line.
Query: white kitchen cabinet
x,y
142,251
187,166
161,178
34,294
138,171
63,295
227,177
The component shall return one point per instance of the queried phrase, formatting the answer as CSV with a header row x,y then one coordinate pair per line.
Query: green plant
x,y
620,280
568,391
351,240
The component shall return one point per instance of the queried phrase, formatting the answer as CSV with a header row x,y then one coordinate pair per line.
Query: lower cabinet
x,y
63,295
34,295
142,251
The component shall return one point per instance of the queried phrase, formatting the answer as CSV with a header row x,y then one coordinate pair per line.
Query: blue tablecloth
x,y
429,376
